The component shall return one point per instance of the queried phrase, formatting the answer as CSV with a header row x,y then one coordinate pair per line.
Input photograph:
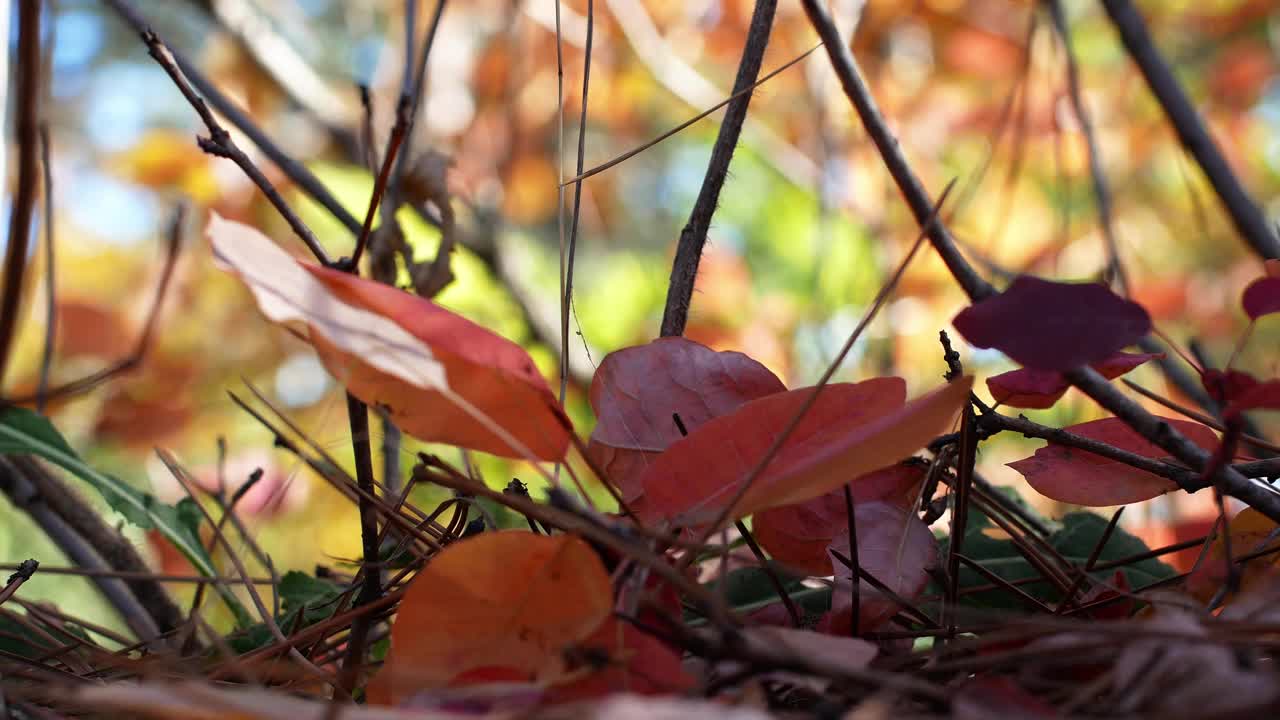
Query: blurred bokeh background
x,y
809,223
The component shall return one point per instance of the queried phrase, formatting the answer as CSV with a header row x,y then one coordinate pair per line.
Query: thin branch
x,y
219,143
566,297
131,361
297,173
1249,220
50,275
370,588
26,117
398,132
908,184
691,121
684,269
1101,191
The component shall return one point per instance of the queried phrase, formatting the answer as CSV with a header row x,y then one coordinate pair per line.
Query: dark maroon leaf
x,y
1262,396
1262,297
1046,325
1225,386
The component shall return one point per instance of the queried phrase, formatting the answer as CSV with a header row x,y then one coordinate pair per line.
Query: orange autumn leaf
x,y
441,377
851,429
619,658
508,599
1250,532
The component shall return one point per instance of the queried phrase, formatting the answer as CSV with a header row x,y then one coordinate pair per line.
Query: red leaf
x,y
851,429
1225,386
1047,325
636,390
896,548
442,377
1040,389
1026,388
1263,395
1262,297
1070,475
799,534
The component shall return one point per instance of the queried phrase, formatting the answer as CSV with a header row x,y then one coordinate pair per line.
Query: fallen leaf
x,y
1046,325
850,430
507,599
1262,297
619,658
896,548
798,534
636,391
1071,475
442,377
1250,531
1156,674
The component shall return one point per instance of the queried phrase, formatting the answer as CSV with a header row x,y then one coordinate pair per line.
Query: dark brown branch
x,y
684,269
1249,220
219,143
294,170
26,117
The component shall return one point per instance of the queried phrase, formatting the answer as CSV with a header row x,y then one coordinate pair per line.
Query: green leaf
x,y
1075,540
300,590
314,598
23,431
748,589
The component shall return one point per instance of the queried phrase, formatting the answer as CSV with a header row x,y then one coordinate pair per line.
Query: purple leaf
x,y
1045,325
1262,297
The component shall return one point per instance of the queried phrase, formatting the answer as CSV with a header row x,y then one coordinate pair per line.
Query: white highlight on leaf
x,y
286,292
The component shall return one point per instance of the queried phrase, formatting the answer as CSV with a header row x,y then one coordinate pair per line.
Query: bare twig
x,y
22,574
219,143
566,298
855,588
691,121
684,269
50,275
1101,191
173,243
26,118
294,170
913,192
1249,220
